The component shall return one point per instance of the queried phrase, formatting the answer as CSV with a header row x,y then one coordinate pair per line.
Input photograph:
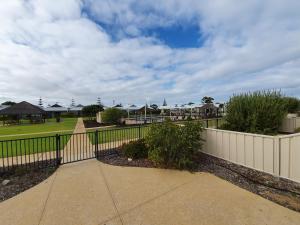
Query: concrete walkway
x,y
93,193
79,145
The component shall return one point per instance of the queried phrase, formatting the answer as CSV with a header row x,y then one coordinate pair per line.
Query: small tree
x,y
174,146
91,110
112,115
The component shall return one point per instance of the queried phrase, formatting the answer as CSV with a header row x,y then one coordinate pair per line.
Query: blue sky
x,y
136,51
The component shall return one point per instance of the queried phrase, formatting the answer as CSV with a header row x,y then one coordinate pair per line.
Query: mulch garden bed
x,y
281,191
22,179
117,158
91,124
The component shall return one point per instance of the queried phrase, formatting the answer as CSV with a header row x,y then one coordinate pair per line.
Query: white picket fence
x,y
277,155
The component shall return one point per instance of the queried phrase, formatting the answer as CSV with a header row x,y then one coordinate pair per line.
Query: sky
x,y
144,51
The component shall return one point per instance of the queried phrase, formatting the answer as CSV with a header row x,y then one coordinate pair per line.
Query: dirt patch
x,y
281,191
22,179
117,158
91,123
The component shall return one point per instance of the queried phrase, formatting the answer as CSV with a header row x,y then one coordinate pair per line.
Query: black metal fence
x,y
41,152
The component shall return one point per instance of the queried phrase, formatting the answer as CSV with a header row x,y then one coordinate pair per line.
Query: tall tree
x,y
99,101
10,103
40,102
207,99
154,106
73,103
165,102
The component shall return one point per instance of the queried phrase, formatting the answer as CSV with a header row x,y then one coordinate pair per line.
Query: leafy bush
x,y
135,149
91,110
173,145
112,115
259,112
292,104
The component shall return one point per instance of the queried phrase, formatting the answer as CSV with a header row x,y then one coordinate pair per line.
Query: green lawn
x,y
32,142
26,146
50,126
118,134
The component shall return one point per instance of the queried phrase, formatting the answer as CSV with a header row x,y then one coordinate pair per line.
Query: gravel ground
x,y
21,180
280,191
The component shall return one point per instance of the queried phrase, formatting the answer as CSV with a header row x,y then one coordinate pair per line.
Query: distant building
x,y
23,110
55,110
76,110
4,107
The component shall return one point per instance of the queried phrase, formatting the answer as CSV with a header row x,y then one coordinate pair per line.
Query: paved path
x,y
93,193
79,145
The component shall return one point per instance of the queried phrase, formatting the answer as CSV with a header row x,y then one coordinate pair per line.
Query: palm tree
x,y
207,100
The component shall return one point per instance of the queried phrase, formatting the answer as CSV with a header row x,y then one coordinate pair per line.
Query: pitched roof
x,y
22,108
4,107
56,105
56,109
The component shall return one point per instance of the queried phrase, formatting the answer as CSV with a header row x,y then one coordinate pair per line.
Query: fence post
x,y
206,123
96,144
277,156
217,123
57,150
139,131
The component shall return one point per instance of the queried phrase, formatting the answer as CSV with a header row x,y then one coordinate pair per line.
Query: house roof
x,y
56,105
4,106
56,109
77,108
22,108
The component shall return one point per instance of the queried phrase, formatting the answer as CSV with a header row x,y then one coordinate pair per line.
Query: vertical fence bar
x,y
57,150
139,131
96,144
2,154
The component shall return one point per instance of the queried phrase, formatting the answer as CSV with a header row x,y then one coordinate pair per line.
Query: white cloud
x,y
56,51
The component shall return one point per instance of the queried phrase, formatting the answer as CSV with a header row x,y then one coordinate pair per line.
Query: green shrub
x,y
174,145
259,112
135,149
112,115
91,110
292,104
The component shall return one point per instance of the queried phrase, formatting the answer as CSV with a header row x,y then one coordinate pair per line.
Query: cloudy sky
x,y
132,51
